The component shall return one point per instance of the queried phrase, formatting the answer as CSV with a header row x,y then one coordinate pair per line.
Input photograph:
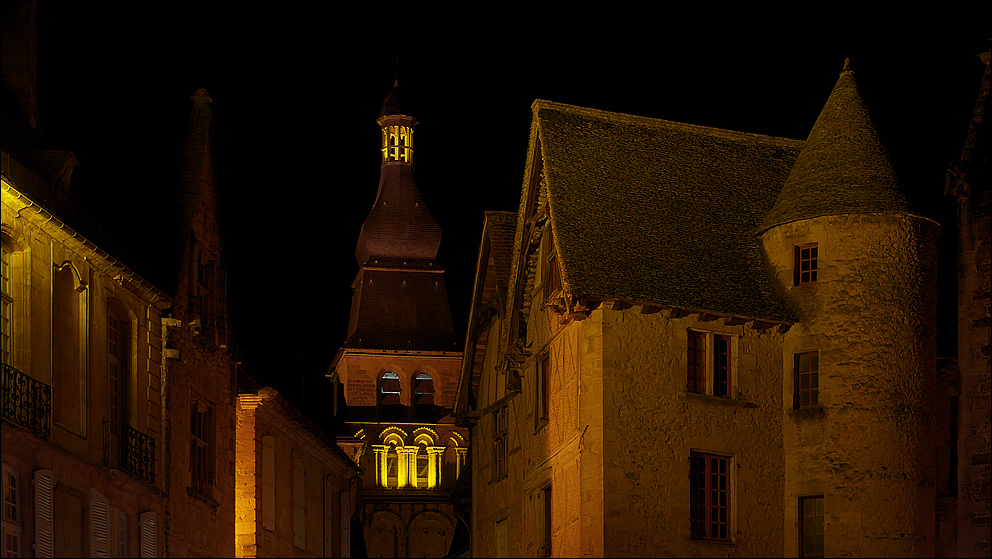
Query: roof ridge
x,y
644,120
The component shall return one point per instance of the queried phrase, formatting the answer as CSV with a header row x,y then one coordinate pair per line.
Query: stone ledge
x,y
718,400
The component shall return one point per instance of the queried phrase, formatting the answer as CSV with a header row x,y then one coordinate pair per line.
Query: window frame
x,y
803,519
118,402
6,305
814,376
547,529
500,431
421,395
708,492
717,380
542,385
808,276
381,394
201,457
11,527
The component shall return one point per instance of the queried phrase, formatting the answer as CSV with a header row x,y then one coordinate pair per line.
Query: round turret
x,y
860,269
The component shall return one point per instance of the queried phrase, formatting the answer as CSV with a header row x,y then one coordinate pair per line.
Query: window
x,y
709,497
708,359
806,264
147,536
423,390
200,447
552,273
811,526
11,526
117,377
389,389
299,504
6,308
546,517
392,468
499,442
502,538
119,533
268,483
807,380
423,466
542,400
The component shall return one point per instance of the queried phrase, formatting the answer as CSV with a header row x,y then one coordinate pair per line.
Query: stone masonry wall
x,y
869,448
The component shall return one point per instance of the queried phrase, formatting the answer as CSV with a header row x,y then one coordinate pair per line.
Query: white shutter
x,y
99,541
268,483
44,539
120,533
146,531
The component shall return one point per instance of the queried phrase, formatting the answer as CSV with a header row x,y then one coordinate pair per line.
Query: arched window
x,y
389,389
423,390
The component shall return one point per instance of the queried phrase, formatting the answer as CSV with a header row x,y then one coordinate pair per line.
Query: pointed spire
x,y
843,168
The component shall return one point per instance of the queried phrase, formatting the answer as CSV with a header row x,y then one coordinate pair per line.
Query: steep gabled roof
x,y
660,212
844,166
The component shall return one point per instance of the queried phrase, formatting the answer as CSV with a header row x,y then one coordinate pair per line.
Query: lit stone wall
x,y
869,448
651,425
74,452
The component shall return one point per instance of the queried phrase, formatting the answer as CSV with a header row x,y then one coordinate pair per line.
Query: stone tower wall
x,y
869,447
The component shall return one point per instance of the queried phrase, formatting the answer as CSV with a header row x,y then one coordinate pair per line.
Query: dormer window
x,y
806,264
389,389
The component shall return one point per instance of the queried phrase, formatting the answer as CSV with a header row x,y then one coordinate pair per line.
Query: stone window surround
x,y
733,367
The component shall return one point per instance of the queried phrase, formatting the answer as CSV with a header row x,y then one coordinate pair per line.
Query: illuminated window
x,y
807,380
397,143
811,526
389,389
201,447
423,390
499,442
708,357
709,497
11,525
806,264
6,306
392,467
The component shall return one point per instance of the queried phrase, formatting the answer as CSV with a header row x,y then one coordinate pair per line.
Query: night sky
x,y
296,96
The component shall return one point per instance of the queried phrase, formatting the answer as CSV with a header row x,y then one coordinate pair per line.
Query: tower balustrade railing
x,y
125,448
25,401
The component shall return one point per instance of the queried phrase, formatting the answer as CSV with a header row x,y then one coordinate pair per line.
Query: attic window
x,y
806,264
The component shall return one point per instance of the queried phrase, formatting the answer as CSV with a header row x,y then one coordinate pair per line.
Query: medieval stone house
x,y
700,342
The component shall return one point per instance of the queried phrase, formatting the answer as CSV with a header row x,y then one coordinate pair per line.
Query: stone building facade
x,y
118,386
399,366
722,345
296,489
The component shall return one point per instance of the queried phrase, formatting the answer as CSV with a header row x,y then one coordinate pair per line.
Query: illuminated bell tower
x,y
400,363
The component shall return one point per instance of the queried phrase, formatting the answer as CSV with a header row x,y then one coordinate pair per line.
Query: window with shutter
x,y
44,537
389,389
423,390
148,542
99,525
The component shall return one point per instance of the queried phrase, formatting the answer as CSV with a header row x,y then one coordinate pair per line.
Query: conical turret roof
x,y
844,166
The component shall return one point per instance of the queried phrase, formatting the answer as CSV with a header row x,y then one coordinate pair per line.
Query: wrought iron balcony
x,y
126,448
26,401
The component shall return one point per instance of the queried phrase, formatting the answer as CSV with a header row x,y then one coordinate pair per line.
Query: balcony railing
x,y
125,448
26,401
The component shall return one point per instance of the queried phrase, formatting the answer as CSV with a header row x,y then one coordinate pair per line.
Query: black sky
x,y
296,95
